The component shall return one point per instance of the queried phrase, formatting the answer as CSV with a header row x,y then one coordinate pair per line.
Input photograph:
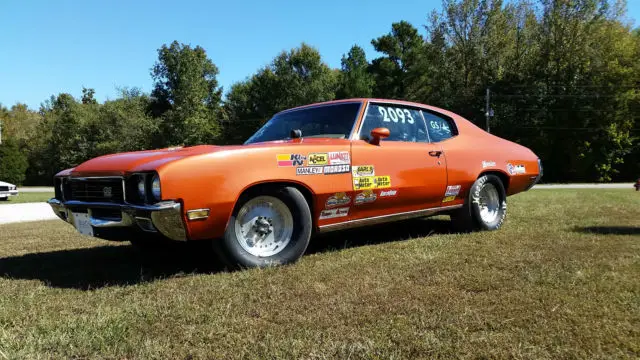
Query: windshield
x,y
331,121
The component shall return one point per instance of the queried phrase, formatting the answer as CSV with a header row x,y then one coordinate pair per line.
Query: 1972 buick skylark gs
x,y
315,168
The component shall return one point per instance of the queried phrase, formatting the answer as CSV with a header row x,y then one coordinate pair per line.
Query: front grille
x,y
97,190
4,188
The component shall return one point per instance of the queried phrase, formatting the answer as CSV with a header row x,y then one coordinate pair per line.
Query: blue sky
x,y
48,47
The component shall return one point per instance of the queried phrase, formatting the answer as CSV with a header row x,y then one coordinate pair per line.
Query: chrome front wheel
x,y
264,226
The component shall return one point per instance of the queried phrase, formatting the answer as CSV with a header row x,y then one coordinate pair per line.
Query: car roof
x,y
362,100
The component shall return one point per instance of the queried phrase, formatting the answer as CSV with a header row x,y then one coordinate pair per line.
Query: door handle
x,y
435,153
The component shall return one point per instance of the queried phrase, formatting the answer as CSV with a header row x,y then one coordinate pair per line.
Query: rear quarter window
x,y
440,127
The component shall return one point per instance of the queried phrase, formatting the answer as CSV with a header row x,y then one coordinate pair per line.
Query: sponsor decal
x,y
339,158
371,182
449,198
336,169
511,169
308,170
367,196
520,169
486,164
337,199
290,159
317,159
363,170
388,193
452,190
382,182
334,213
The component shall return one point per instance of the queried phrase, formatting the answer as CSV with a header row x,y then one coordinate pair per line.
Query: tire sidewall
x,y
302,225
474,198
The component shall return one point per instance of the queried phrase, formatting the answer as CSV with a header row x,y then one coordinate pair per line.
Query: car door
x,y
404,172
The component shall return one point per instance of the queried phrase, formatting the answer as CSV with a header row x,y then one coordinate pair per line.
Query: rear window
x,y
331,121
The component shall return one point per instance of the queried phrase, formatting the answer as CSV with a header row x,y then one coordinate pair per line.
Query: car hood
x,y
2,183
121,163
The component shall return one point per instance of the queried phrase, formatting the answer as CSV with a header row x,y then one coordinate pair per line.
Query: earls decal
x,y
363,170
290,159
334,213
365,197
371,182
337,199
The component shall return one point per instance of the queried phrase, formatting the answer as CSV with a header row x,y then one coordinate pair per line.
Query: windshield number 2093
x,y
394,114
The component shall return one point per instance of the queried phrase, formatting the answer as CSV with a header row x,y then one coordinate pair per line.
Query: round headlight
x,y
155,187
141,191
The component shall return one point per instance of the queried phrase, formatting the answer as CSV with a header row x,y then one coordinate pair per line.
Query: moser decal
x,y
371,182
334,213
486,164
363,170
308,170
337,199
367,196
290,159
449,198
336,169
388,193
317,159
520,169
452,190
339,158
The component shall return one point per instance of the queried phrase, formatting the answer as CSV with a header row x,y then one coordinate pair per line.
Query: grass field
x,y
28,197
560,280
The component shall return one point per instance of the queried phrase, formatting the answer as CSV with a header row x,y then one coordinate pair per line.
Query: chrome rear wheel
x,y
489,203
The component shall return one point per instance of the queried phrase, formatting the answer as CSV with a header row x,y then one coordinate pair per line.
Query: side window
x,y
440,128
404,123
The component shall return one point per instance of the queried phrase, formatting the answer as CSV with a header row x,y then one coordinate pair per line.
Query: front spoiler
x,y
164,217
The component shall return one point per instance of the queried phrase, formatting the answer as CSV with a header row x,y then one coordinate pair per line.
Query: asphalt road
x,y
10,213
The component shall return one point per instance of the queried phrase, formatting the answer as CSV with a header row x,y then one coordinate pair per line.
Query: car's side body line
x,y
385,218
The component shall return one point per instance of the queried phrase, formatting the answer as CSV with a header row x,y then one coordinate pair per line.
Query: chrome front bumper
x,y
164,217
8,193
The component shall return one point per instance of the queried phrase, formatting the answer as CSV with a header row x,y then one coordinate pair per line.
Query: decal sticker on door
x,y
363,170
334,213
371,182
337,199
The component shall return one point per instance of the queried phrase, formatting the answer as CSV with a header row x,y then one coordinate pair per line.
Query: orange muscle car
x,y
315,168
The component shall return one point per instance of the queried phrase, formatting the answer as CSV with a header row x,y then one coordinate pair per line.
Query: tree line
x,y
564,78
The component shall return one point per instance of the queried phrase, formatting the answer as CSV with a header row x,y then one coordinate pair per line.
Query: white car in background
x,y
7,190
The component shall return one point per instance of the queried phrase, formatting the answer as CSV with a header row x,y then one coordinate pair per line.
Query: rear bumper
x,y
107,218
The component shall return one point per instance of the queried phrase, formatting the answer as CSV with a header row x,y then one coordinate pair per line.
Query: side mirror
x,y
377,134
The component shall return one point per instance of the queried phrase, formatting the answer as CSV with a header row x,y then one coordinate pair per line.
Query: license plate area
x,y
82,222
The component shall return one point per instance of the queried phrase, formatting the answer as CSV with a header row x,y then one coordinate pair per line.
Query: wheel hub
x,y
489,203
264,226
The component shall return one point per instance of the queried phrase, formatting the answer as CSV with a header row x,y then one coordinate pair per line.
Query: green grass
x,y
28,197
560,280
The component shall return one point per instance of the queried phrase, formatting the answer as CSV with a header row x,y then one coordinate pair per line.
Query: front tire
x,y
269,226
485,208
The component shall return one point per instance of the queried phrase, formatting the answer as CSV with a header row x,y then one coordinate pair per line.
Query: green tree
x,y
186,95
13,163
294,78
396,72
355,79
